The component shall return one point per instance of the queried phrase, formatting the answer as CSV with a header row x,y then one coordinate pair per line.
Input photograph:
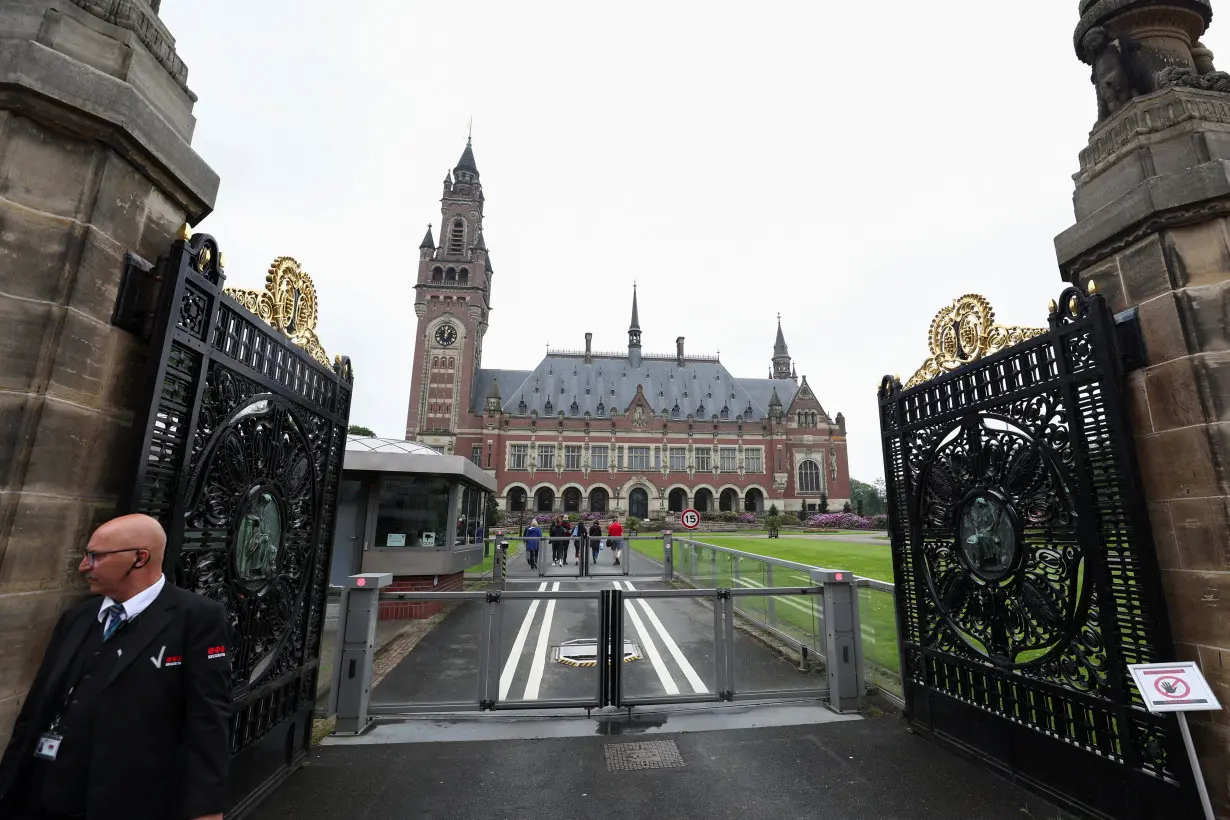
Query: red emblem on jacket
x,y
216,652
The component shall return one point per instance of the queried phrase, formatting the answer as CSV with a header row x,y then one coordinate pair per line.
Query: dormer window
x,y
601,410
575,408
521,408
457,236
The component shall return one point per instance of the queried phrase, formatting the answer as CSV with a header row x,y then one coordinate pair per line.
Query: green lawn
x,y
794,615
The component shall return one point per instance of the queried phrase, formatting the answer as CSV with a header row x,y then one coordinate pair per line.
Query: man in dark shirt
x,y
135,682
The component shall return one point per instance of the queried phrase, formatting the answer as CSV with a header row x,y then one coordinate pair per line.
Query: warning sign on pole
x,y
1173,687
690,519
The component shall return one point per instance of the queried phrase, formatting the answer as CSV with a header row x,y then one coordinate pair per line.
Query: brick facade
x,y
625,432
403,610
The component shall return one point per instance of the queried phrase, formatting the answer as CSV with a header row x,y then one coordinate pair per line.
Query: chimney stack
x,y
679,350
589,338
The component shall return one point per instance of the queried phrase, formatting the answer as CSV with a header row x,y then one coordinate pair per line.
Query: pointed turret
x,y
634,334
480,243
781,354
428,243
466,169
775,405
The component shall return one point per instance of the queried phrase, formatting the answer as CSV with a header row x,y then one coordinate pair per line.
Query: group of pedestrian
x,y
563,535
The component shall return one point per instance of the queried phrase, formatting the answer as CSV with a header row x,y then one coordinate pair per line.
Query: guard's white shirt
x,y
138,603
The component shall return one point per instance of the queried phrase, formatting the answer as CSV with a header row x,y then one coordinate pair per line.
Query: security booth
x,y
410,511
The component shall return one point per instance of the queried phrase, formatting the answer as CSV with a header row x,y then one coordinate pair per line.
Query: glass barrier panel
x,y
432,652
669,651
328,651
881,655
769,659
546,649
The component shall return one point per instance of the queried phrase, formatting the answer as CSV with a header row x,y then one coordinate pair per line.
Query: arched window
x,y
450,275
809,477
437,274
457,236
638,503
597,500
575,409
516,499
451,362
677,500
548,408
435,361
464,277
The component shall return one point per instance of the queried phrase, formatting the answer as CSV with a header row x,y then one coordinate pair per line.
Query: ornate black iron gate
x,y
1025,567
240,461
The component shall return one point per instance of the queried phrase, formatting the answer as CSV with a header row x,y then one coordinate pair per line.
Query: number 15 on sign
x,y
1178,687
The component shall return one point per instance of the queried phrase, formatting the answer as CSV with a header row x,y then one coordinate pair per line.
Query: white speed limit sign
x,y
690,519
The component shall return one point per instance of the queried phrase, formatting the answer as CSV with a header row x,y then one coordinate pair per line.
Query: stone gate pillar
x,y
1152,204
95,161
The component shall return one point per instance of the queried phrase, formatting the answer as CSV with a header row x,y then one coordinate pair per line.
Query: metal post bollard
x,y
668,556
499,567
357,632
842,639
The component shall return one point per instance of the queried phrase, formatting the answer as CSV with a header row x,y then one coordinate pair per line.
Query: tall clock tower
x,y
452,301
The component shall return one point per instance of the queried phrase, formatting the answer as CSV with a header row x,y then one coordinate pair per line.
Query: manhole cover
x,y
653,754
584,652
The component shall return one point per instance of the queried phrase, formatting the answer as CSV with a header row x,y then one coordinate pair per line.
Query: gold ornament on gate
x,y
288,302
963,332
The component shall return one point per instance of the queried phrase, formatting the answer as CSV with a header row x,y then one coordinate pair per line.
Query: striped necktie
x,y
115,617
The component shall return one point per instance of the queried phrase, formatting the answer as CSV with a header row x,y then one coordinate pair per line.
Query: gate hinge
x,y
726,695
136,304
486,705
493,597
1130,340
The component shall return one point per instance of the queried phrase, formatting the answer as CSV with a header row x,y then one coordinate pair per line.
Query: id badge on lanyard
x,y
48,746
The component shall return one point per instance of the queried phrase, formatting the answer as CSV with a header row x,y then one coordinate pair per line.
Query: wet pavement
x,y
847,769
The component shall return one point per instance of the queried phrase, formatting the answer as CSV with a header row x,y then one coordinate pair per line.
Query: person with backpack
x,y
559,542
615,534
532,534
579,537
595,540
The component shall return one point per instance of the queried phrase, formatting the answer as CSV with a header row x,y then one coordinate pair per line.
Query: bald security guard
x,y
128,716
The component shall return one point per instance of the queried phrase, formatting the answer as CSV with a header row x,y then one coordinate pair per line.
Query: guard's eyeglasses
x,y
91,556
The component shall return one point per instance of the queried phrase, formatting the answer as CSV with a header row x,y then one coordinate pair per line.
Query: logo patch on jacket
x,y
174,660
216,652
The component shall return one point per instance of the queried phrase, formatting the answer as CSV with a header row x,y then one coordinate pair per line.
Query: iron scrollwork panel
x,y
1026,577
240,462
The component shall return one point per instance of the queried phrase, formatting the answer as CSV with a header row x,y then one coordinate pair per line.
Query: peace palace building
x,y
628,432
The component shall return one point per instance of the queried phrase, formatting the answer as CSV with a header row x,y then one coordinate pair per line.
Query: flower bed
x,y
847,521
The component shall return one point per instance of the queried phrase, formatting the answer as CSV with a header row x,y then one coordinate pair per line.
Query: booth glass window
x,y
413,512
471,506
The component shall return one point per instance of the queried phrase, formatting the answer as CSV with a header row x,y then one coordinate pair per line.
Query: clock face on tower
x,y
446,335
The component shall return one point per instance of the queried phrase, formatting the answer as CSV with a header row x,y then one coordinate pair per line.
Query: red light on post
x,y
836,576
362,582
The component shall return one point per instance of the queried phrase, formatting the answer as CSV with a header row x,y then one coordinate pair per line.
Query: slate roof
x,y
610,382
466,163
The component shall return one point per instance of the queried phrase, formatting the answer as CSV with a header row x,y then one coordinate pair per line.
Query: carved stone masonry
x,y
141,18
1135,48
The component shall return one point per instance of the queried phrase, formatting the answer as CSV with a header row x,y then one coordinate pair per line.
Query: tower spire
x,y
634,334
781,354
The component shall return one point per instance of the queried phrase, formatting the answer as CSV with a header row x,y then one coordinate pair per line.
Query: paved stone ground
x,y
850,770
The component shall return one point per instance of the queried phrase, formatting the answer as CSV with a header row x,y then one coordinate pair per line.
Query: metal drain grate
x,y
653,754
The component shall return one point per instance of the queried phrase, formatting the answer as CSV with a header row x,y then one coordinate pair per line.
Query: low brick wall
x,y
406,610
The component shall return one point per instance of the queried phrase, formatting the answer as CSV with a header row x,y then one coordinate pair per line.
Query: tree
x,y
357,430
773,510
845,508
871,496
824,502
493,511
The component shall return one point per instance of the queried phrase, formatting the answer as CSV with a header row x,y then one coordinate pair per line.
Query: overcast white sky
x,y
852,165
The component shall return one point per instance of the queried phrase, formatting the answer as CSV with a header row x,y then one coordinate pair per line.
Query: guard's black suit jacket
x,y
161,746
